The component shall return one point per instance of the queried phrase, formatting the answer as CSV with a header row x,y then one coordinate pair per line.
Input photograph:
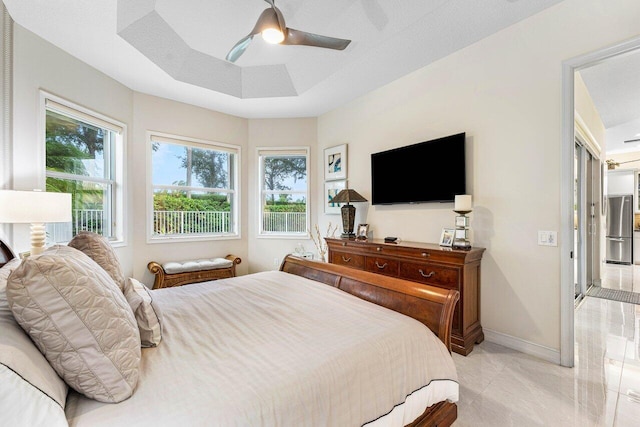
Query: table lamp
x,y
35,208
348,211
462,206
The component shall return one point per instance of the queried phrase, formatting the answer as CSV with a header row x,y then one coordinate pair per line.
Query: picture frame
x,y
362,232
447,236
335,163
332,188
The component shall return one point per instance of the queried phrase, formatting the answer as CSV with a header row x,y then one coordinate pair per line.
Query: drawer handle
x,y
426,275
426,254
346,259
378,249
381,266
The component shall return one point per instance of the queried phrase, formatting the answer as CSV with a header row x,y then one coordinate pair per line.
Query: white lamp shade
x,y
34,207
463,203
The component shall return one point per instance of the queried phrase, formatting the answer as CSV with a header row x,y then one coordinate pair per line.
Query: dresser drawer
x,y
347,259
382,265
431,274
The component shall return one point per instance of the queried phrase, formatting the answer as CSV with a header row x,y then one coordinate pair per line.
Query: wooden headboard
x,y
428,304
6,254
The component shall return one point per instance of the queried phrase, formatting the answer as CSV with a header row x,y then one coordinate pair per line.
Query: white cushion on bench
x,y
196,265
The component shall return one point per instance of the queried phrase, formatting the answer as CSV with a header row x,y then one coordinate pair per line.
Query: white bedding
x,y
275,349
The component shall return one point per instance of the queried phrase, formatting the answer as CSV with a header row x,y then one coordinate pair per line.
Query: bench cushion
x,y
196,265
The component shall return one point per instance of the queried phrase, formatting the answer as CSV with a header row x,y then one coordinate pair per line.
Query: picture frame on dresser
x,y
335,162
447,236
363,232
331,189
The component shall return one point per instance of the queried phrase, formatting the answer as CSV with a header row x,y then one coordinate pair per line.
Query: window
x,y
284,191
194,188
84,157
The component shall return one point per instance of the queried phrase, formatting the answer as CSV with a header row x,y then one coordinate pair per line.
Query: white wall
x,y
40,65
277,133
506,93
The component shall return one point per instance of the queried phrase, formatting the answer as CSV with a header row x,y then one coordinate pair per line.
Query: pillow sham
x,y
79,320
31,393
99,249
146,313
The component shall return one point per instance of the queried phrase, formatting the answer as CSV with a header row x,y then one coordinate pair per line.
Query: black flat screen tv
x,y
430,171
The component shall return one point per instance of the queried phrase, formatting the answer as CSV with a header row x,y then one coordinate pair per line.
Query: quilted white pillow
x,y
98,248
147,315
80,321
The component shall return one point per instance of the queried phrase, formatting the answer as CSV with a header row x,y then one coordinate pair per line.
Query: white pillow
x,y
31,393
98,248
80,320
147,315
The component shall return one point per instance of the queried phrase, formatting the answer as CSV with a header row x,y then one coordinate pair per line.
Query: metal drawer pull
x,y
426,254
426,275
346,259
381,266
378,249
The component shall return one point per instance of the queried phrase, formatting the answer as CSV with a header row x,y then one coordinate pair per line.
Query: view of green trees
x,y
70,146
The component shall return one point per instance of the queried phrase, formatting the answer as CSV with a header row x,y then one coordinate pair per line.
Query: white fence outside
x,y
177,222
284,222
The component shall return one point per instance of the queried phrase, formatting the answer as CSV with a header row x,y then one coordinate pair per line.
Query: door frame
x,y
567,291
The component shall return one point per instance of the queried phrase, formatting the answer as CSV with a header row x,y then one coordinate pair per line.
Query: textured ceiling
x,y
614,86
176,49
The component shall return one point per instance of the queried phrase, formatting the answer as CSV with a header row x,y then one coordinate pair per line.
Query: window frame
x,y
261,152
115,153
235,192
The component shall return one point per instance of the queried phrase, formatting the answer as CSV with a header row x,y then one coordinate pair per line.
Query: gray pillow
x,y
29,387
79,320
147,314
99,249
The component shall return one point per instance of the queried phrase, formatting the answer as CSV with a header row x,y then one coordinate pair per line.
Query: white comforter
x,y
275,349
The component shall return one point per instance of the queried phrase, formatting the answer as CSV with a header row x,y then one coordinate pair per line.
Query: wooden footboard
x,y
428,304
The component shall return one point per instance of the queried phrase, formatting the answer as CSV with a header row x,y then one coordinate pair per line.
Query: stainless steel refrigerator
x,y
620,229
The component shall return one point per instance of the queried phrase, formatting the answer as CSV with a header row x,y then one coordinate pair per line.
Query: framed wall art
x,y
335,162
332,188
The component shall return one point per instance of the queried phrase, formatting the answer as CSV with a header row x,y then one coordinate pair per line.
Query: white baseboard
x,y
532,349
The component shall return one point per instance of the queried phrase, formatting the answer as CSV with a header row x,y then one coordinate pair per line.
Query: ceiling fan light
x,y
272,35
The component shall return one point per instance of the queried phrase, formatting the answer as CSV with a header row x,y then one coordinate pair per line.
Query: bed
x,y
300,346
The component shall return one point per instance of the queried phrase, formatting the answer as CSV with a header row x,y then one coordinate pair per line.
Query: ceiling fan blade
x,y
237,50
297,37
270,2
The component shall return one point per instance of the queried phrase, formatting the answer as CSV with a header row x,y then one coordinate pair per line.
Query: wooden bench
x,y
181,273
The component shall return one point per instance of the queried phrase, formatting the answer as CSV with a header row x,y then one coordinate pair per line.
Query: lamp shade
x,y
462,203
348,195
34,207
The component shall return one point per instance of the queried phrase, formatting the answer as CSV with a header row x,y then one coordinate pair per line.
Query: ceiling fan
x,y
273,29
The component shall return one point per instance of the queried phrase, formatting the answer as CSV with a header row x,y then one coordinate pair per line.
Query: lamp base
x,y
38,238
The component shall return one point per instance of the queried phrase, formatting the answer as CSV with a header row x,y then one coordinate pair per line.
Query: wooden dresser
x,y
424,263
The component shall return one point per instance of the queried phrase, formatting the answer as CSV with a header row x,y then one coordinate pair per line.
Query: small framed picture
x,y
446,238
330,190
335,162
363,230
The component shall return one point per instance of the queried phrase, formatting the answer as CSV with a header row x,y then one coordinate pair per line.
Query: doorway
x,y
569,252
586,241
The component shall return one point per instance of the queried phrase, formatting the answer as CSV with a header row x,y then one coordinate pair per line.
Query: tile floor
x,y
502,387
622,277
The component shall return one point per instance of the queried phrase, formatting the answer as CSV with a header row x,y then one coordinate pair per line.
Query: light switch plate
x,y
548,238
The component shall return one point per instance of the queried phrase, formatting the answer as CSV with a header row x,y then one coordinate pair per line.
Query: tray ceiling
x,y
176,49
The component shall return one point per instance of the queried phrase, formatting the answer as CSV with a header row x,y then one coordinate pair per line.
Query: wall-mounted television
x,y
430,171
